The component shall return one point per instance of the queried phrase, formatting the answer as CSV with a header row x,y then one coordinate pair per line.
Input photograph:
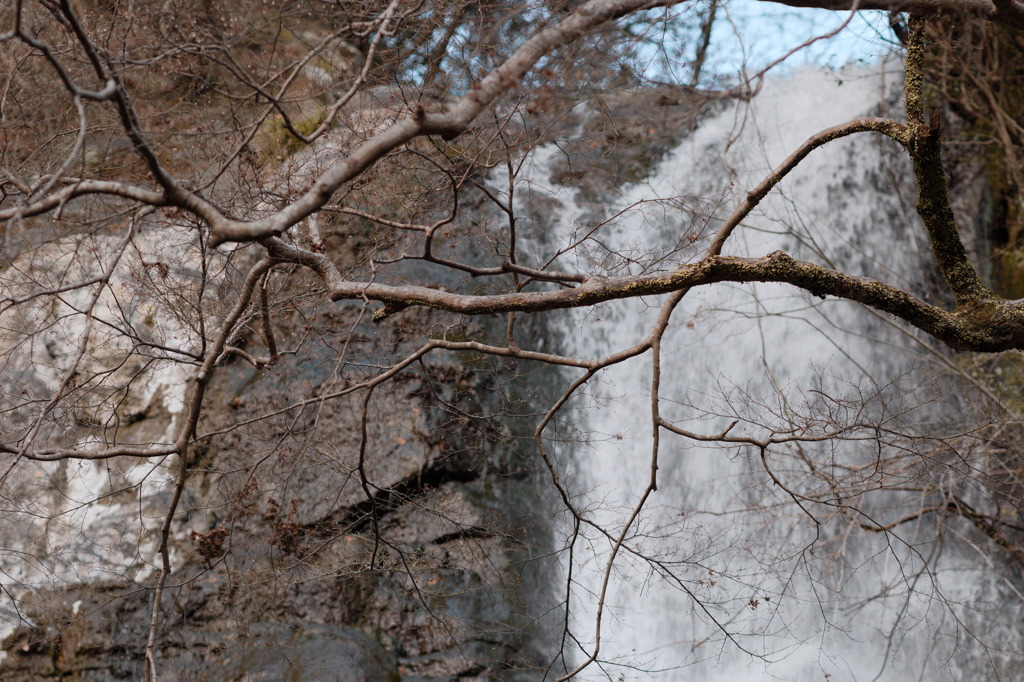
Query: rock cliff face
x,y
395,535
321,535
411,564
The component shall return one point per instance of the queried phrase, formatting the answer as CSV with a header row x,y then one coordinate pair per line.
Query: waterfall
x,y
798,602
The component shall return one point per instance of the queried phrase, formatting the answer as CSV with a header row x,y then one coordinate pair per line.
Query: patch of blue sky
x,y
751,34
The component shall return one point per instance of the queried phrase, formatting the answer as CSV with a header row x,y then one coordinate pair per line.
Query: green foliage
x,y
1009,263
277,142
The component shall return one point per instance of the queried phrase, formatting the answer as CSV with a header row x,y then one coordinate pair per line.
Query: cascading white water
x,y
850,605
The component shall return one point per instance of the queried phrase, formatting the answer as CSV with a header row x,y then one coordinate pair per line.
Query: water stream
x,y
747,586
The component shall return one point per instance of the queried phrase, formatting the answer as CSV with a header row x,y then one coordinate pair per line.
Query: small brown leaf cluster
x,y
244,503
287,534
209,545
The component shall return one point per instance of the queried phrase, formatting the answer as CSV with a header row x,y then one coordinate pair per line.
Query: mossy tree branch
x,y
925,146
982,325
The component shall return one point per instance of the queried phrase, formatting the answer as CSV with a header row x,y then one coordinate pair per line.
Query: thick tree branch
x,y
81,188
987,324
448,124
53,455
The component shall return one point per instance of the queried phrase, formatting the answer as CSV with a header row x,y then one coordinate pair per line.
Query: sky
x,y
760,32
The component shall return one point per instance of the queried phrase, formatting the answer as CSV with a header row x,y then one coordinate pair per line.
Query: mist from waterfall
x,y
739,556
